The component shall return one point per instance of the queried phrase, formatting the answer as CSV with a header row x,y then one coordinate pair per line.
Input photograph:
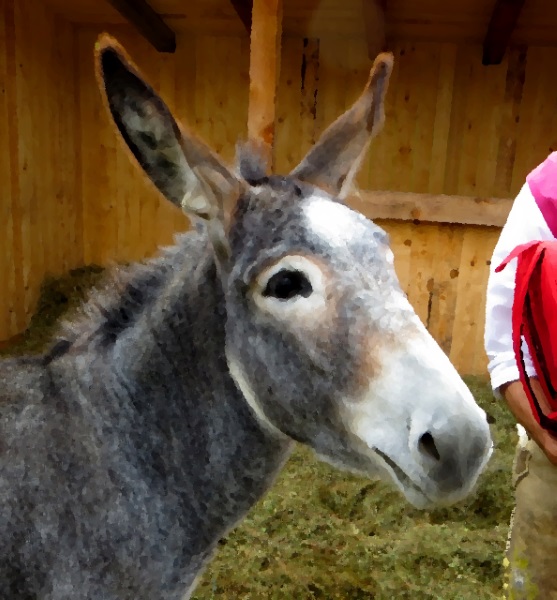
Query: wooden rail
x,y
432,208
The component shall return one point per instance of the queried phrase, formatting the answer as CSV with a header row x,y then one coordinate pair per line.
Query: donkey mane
x,y
114,304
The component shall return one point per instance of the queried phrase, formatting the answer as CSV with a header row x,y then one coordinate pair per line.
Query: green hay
x,y
320,533
58,297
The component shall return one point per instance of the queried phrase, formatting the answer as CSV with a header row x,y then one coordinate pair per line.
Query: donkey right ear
x,y
334,160
182,167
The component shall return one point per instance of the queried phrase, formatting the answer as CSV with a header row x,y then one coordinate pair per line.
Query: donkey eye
x,y
286,284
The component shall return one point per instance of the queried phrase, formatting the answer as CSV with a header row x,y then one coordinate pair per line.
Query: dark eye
x,y
288,284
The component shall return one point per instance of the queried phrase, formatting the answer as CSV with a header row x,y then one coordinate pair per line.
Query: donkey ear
x,y
182,167
334,160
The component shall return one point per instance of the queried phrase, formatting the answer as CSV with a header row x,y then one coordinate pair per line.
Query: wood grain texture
x,y
376,30
504,19
148,22
435,208
458,142
265,50
244,9
41,229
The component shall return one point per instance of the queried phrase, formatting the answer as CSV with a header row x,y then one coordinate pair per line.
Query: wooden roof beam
x,y
243,9
503,21
148,23
265,48
375,24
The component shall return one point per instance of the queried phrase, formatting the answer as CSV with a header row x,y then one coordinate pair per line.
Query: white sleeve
x,y
525,223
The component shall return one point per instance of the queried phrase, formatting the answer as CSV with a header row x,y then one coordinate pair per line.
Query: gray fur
x,y
126,458
128,449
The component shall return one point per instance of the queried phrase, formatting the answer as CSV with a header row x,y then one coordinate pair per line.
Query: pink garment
x,y
543,185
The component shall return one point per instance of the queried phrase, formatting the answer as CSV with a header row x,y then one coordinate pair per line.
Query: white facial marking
x,y
333,221
244,386
394,315
420,388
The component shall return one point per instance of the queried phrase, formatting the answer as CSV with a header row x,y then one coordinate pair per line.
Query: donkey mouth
x,y
402,478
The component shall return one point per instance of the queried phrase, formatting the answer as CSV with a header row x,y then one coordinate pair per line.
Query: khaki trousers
x,y
531,555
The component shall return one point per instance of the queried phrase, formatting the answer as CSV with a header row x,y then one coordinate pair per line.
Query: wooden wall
x,y
40,210
452,127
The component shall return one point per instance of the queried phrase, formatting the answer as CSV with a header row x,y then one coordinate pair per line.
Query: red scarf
x,y
534,316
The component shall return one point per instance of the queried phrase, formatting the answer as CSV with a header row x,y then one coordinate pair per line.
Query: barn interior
x,y
471,109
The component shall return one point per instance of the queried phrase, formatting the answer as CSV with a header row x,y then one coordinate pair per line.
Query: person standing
x,y
515,342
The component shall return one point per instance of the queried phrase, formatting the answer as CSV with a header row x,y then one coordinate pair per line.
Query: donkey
x,y
158,418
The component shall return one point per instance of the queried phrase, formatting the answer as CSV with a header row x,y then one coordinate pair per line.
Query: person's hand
x,y
519,405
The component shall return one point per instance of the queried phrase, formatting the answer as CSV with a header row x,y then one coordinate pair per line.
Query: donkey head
x,y
321,339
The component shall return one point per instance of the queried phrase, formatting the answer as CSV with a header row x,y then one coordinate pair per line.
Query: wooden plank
x,y
244,9
478,105
310,126
435,208
458,122
472,140
147,22
422,260
467,350
38,98
266,32
503,21
374,20
537,127
30,156
510,119
97,136
7,246
234,110
422,78
444,283
74,199
442,122
486,114
287,117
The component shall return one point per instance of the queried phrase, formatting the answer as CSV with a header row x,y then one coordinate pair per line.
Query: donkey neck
x,y
175,353
187,423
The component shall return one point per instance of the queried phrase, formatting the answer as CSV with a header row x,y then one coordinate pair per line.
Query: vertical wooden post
x,y
265,48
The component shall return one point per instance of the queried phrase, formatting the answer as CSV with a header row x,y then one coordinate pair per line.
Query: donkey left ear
x,y
334,160
184,169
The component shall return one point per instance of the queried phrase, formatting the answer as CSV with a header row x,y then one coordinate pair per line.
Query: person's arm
x,y
525,223
518,403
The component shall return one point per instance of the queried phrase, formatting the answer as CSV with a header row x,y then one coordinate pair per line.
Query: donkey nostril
x,y
427,446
